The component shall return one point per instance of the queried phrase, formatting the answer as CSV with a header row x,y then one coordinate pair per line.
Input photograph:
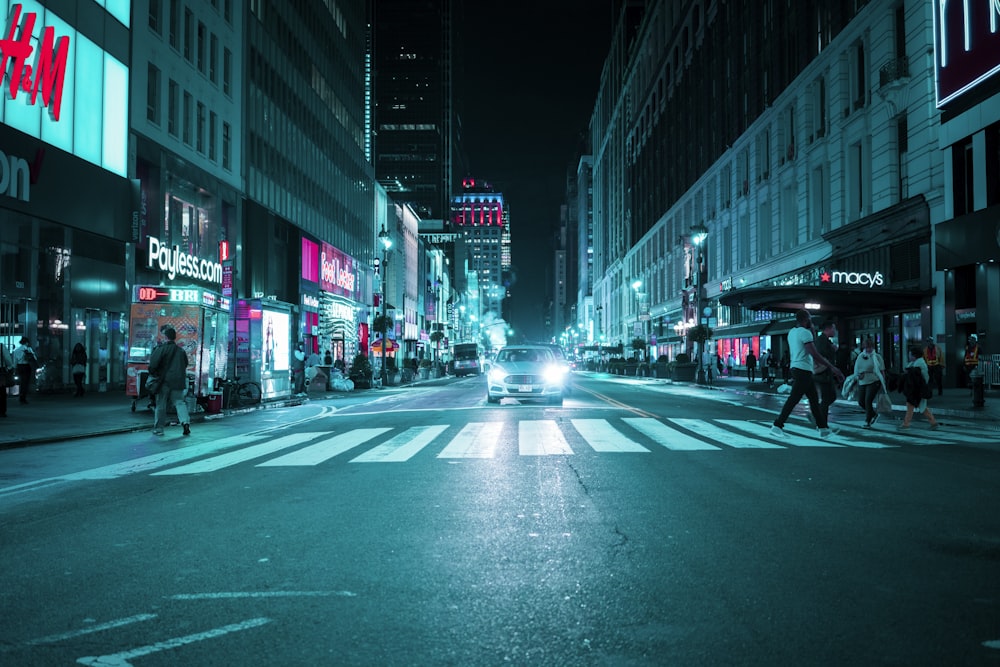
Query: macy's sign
x,y
853,278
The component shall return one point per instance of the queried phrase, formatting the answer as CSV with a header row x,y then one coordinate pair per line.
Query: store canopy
x,y
844,302
377,345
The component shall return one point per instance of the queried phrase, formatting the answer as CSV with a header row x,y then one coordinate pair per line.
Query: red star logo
x,y
824,277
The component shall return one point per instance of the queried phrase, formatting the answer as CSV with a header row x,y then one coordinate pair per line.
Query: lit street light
x,y
386,240
699,233
636,286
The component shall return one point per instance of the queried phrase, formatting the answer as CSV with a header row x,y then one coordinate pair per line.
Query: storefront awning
x,y
845,302
391,347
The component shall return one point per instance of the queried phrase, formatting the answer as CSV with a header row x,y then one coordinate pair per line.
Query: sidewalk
x,y
953,403
55,417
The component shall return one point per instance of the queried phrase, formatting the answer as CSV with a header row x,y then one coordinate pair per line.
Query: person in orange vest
x,y
971,357
935,365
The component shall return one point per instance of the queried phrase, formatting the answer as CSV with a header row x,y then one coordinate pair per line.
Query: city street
x,y
638,524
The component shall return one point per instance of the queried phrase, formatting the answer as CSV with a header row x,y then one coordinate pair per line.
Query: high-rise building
x,y
480,215
415,124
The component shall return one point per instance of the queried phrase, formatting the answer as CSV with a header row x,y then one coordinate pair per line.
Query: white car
x,y
526,372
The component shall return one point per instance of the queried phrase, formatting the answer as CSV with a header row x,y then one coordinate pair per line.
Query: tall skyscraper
x,y
480,214
415,124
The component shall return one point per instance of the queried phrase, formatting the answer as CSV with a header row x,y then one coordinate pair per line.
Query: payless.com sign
x,y
852,278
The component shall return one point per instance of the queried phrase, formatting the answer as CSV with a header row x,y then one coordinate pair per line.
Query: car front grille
x,y
523,379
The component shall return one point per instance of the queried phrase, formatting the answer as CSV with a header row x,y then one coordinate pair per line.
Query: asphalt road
x,y
635,525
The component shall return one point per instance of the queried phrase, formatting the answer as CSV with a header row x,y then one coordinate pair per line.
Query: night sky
x,y
527,85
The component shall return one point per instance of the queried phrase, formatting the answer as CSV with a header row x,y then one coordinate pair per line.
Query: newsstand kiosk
x,y
201,319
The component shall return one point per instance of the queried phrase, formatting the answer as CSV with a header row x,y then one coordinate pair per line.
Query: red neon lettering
x,y
49,72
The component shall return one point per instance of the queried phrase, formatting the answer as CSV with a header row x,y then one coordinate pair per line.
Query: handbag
x,y
883,403
78,369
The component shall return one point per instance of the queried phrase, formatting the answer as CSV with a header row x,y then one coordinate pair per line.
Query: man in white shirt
x,y
803,358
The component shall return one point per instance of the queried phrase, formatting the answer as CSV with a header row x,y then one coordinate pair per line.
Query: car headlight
x,y
497,374
554,374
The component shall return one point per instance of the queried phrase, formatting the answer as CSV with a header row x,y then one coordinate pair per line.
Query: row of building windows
x,y
187,120
174,15
200,45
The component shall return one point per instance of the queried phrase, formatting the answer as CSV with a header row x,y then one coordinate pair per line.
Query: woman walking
x,y
870,371
917,378
78,367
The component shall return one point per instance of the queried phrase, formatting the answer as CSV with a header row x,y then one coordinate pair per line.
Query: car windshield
x,y
524,356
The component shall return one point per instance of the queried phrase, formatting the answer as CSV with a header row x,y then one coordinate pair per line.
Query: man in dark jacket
x,y
169,362
823,377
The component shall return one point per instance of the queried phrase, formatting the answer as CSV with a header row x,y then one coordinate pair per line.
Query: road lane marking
x,y
476,440
122,659
764,431
326,449
242,595
541,438
723,436
240,455
666,436
110,625
403,446
603,437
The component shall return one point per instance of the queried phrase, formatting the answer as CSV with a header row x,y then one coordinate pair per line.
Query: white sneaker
x,y
833,429
827,432
778,432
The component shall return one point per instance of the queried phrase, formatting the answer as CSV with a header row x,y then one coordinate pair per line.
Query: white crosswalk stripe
x,y
603,437
403,446
666,436
240,455
541,438
764,431
478,440
719,434
326,449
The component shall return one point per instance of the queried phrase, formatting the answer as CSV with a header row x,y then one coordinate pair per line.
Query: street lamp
x,y
386,240
636,286
699,233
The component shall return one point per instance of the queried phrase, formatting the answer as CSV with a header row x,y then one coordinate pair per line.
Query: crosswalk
x,y
525,438
502,440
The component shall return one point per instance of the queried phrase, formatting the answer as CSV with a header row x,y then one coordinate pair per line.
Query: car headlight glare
x,y
497,374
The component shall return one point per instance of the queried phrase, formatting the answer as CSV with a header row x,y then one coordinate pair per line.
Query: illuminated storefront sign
x,y
15,177
48,72
966,45
175,263
852,278
180,295
337,274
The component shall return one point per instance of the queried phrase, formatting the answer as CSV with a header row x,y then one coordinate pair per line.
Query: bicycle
x,y
240,394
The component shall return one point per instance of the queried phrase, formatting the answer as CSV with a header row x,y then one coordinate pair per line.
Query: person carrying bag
x,y
870,371
168,376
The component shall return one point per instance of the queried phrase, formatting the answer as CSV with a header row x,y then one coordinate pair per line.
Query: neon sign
x,y
173,262
186,295
966,45
49,70
336,271
853,278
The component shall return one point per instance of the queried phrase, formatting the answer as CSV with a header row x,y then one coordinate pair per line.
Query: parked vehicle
x,y
526,372
466,359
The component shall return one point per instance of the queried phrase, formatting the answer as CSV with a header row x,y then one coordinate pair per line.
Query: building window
x,y
763,155
175,24
213,59
153,94
155,13
227,11
819,200
200,136
856,182
212,126
226,147
227,71
858,77
172,110
202,64
963,172
188,109
818,111
189,35
763,231
902,156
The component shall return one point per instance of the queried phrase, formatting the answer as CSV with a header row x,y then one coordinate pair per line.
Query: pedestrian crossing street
x,y
528,438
